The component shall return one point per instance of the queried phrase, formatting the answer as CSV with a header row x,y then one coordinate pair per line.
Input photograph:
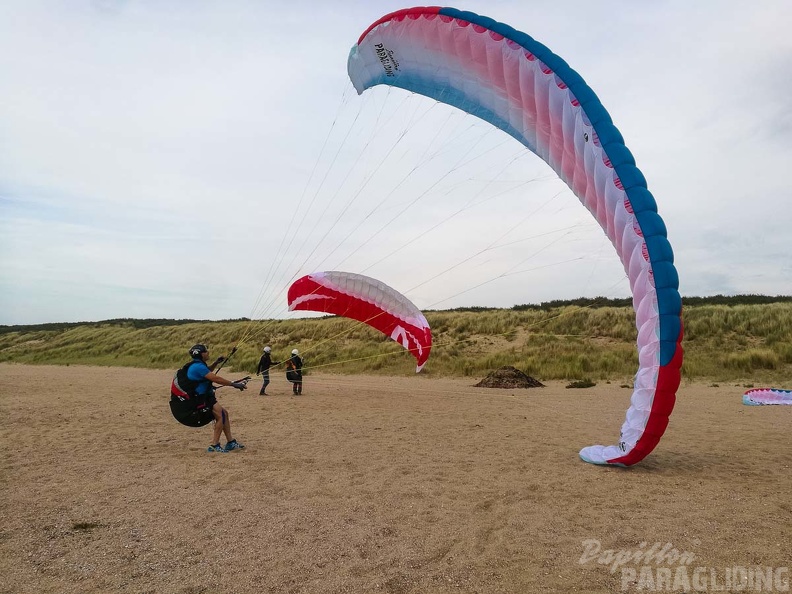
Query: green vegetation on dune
x,y
728,339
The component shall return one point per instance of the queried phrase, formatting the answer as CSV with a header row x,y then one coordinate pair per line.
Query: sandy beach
x,y
368,484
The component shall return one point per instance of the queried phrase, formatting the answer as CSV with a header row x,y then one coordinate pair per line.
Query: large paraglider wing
x,y
507,78
366,300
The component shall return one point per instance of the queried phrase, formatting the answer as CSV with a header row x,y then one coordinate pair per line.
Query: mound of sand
x,y
509,377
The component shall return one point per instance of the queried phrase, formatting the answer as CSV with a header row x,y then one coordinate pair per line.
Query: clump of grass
x,y
85,526
752,359
581,384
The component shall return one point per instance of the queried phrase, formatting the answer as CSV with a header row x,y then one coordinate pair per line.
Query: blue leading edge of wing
x,y
643,203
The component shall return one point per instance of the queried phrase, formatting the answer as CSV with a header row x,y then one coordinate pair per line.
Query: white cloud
x,y
153,156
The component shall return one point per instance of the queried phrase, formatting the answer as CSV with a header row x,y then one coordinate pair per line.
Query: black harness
x,y
187,406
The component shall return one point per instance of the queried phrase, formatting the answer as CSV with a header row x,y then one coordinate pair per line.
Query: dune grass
x,y
723,342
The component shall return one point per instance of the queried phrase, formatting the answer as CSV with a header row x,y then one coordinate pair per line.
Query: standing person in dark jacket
x,y
263,368
294,372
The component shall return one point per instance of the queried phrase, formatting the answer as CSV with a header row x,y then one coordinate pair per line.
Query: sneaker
x,y
215,448
234,445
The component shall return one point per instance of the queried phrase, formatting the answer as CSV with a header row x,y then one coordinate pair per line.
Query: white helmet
x,y
294,352
267,349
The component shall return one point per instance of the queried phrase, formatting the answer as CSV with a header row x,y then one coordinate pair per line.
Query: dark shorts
x,y
193,414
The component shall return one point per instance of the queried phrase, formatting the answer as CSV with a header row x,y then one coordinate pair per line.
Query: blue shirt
x,y
197,372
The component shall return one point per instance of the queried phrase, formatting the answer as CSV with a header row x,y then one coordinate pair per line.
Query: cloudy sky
x,y
188,159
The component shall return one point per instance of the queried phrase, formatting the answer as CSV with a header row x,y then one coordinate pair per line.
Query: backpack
x,y
188,407
182,387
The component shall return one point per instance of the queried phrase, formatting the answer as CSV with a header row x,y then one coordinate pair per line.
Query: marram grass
x,y
750,342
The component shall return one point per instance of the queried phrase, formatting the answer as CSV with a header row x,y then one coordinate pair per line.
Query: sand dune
x,y
369,484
